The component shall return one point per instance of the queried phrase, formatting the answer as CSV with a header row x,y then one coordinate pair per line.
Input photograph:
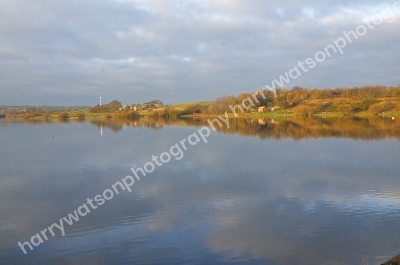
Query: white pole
x,y
100,101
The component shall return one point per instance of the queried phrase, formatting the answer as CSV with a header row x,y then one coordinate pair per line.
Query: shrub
x,y
345,109
30,115
329,107
125,114
381,107
283,104
305,110
131,114
190,110
166,113
80,115
63,115
363,105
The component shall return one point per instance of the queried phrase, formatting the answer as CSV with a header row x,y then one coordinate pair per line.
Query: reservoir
x,y
263,191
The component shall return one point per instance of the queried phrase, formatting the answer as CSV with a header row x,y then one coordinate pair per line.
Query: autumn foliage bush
x,y
80,115
382,107
63,115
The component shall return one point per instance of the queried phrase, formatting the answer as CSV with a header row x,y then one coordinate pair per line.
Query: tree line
x,y
305,101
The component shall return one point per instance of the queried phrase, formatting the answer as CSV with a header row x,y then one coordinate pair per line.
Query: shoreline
x,y
279,114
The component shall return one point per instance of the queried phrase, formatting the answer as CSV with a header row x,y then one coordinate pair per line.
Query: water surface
x,y
305,191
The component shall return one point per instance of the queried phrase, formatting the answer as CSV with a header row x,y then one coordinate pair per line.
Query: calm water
x,y
259,192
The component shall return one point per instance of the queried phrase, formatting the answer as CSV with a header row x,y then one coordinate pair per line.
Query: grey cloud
x,y
70,52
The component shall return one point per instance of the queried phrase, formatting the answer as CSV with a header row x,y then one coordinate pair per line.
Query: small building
x,y
275,108
154,104
136,107
262,109
124,107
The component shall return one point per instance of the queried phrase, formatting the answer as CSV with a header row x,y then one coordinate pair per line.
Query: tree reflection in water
x,y
363,128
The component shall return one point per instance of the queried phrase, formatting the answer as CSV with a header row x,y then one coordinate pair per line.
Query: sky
x,y
72,52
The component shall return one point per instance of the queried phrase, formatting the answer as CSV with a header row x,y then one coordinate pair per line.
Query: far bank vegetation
x,y
305,102
298,101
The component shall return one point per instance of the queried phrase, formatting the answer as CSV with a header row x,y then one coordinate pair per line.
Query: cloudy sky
x,y
71,52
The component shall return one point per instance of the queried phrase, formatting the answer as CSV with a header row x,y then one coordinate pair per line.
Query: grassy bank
x,y
362,102
179,108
